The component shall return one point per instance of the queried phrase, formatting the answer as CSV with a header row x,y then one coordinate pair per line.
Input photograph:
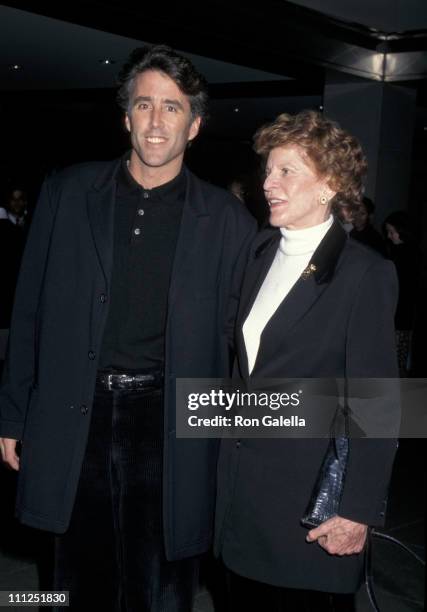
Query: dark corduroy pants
x,y
112,556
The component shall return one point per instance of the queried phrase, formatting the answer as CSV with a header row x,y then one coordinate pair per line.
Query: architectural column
x,y
382,116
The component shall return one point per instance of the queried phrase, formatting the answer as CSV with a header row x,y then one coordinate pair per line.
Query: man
x,y
130,280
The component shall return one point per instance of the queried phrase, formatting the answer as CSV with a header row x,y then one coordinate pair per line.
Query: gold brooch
x,y
308,271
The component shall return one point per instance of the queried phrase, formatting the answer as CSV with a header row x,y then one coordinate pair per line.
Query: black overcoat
x,y
56,334
11,247
335,323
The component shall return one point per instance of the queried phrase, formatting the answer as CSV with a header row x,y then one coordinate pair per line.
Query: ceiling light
x,y
237,109
15,67
107,61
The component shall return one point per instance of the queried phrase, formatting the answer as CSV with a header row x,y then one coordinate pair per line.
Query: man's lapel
x,y
100,210
194,214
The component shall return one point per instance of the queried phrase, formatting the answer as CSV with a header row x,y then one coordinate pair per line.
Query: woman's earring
x,y
323,200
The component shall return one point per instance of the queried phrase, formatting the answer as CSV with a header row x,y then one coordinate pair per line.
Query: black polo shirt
x,y
146,226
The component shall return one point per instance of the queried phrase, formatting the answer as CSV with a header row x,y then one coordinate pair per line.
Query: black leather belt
x,y
112,381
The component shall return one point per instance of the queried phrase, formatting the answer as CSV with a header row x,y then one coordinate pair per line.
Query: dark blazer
x,y
57,328
337,322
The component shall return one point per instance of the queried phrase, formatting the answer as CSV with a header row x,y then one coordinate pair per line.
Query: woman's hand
x,y
8,453
339,536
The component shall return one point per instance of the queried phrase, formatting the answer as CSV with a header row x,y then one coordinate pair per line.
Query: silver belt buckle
x,y
126,379
109,381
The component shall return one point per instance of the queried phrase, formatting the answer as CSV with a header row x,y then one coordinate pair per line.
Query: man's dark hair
x,y
175,66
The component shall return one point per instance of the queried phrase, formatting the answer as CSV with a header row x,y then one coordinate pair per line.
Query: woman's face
x,y
293,190
392,234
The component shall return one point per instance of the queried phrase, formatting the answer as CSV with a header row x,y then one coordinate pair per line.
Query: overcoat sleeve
x,y
20,375
371,354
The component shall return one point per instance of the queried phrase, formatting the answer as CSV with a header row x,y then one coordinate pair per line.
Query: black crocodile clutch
x,y
327,491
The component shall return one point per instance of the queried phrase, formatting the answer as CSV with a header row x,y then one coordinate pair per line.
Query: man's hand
x,y
8,452
339,536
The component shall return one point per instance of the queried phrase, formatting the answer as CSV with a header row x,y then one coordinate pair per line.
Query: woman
x,y
406,256
315,304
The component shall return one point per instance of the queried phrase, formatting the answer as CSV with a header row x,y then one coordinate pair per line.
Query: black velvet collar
x,y
325,257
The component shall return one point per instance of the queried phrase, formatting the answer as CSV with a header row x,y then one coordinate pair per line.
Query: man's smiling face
x,y
160,123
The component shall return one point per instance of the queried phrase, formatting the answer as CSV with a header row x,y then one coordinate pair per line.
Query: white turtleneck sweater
x,y
295,250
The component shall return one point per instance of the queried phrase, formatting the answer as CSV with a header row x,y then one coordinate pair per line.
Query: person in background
x,y
237,188
406,256
315,304
17,207
363,231
130,279
246,187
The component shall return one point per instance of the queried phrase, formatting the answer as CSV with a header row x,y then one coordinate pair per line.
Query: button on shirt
x,y
146,227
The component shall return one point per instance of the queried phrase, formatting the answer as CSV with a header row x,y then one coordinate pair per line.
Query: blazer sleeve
x,y
19,375
371,354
